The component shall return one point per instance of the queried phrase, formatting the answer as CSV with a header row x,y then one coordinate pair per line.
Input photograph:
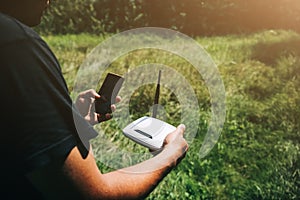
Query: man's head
x,y
29,12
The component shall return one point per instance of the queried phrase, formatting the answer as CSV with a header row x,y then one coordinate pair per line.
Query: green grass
x,y
257,155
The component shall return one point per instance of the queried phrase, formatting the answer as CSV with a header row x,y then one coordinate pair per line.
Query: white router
x,y
149,131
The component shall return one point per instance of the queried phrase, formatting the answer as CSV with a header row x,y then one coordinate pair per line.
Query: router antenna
x,y
156,96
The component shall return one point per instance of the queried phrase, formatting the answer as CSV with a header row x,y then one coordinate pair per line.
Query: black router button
x,y
143,133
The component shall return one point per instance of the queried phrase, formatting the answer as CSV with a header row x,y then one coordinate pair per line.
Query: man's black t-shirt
x,y
37,124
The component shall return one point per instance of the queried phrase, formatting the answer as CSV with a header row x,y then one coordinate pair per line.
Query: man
x,y
42,154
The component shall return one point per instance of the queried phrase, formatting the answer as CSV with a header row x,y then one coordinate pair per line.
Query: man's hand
x,y
176,145
86,107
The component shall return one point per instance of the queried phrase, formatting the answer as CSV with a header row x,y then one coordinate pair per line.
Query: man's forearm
x,y
82,177
138,181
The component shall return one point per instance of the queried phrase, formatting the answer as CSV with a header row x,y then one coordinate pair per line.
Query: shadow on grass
x,y
269,53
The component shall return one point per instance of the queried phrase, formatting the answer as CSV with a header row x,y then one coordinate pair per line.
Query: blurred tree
x,y
193,17
70,16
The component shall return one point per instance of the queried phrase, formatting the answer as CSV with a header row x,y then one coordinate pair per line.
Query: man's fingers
x,y
179,131
118,99
91,93
94,93
181,128
102,118
113,107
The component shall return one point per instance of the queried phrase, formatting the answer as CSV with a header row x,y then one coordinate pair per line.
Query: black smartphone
x,y
108,92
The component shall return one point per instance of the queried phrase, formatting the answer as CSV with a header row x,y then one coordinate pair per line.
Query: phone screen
x,y
108,92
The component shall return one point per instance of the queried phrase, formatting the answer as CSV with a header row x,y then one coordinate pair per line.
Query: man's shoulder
x,y
13,30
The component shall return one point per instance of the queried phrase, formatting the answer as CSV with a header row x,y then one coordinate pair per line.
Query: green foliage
x,y
71,50
257,155
193,17
119,15
71,16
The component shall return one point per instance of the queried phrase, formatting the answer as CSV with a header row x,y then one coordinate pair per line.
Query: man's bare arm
x,y
82,176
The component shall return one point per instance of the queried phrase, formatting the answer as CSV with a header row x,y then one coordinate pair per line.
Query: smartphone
x,y
108,92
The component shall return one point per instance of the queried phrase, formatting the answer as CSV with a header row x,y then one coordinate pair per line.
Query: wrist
x,y
173,154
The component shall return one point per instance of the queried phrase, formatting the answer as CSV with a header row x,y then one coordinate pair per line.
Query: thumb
x,y
178,132
181,128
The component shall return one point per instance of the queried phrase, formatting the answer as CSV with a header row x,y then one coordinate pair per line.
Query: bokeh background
x,y
192,17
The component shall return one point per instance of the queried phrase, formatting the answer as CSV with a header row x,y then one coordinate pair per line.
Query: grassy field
x,y
257,155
